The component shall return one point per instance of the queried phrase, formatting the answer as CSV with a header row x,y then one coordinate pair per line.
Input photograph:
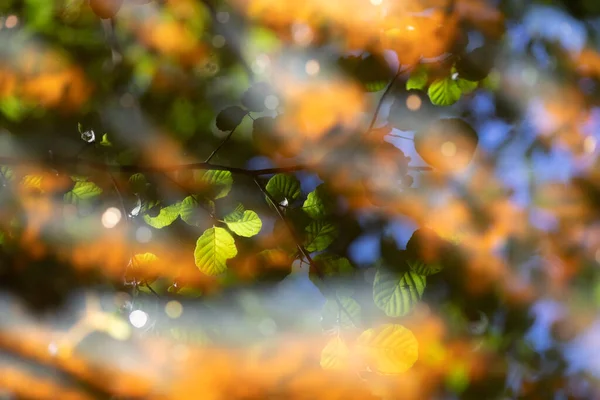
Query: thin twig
x,y
214,152
384,95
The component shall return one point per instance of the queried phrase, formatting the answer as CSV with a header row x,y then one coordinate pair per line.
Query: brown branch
x,y
12,161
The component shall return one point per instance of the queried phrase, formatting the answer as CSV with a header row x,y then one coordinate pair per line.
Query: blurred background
x,y
208,199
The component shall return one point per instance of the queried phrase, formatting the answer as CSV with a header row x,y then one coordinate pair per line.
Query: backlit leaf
x,y
417,80
213,249
389,349
165,217
319,235
191,211
219,182
318,203
425,269
345,313
283,187
335,355
444,92
82,191
247,224
397,293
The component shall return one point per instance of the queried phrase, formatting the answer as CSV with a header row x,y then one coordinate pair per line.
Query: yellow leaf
x,y
335,355
389,349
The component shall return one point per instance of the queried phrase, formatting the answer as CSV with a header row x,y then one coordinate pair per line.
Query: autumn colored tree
x,y
222,199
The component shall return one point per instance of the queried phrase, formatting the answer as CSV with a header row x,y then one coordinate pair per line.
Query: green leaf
x,y
165,217
466,86
331,265
318,203
213,249
219,182
191,212
397,293
82,191
247,224
444,92
283,187
13,108
105,142
6,173
418,79
138,183
426,269
345,316
319,235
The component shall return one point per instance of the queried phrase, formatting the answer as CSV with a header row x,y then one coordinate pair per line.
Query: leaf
x,y
425,269
82,191
138,183
247,224
444,92
191,211
229,118
345,317
335,354
32,181
283,187
145,260
105,142
6,173
373,72
466,86
319,235
254,98
318,203
165,217
397,293
213,249
418,79
220,182
330,265
390,349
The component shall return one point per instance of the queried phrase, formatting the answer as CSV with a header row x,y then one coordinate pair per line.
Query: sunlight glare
x,y
138,318
111,217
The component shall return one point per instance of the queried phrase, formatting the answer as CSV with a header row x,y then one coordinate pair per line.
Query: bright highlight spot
x,y
589,144
11,21
271,102
449,149
410,27
173,309
111,217
312,67
261,63
118,329
302,34
413,102
376,2
138,318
